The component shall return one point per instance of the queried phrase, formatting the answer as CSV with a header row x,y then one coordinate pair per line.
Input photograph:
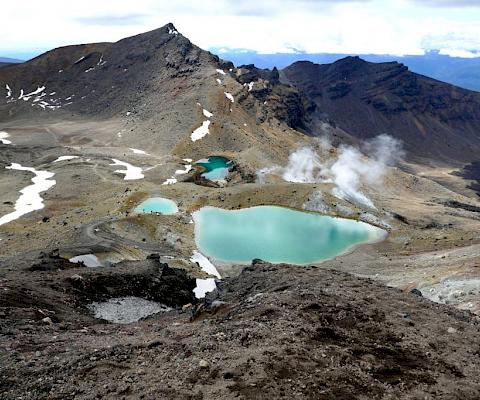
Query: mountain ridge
x,y
365,99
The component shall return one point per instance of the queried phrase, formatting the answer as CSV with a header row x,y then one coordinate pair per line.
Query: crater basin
x,y
157,205
216,167
277,235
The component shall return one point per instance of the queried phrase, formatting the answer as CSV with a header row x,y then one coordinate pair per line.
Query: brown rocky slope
x,y
273,332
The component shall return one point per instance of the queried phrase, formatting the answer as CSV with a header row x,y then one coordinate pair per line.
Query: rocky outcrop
x,y
270,99
149,279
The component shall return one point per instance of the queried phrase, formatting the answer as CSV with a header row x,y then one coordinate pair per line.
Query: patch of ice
x,y
125,310
3,138
131,172
136,151
207,114
221,72
65,158
201,131
204,286
170,181
30,199
229,96
187,169
101,62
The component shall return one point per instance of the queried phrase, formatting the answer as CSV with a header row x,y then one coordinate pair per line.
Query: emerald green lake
x,y
216,167
277,234
157,205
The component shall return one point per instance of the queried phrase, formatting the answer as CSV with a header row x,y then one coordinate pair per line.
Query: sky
x,y
396,27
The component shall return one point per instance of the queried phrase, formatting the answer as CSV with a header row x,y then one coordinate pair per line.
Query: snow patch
x,y
207,114
3,138
30,199
131,173
187,169
229,96
65,158
201,131
204,286
170,181
9,91
221,72
136,151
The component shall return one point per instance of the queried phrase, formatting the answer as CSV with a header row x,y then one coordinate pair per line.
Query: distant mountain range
x,y
152,78
7,60
463,72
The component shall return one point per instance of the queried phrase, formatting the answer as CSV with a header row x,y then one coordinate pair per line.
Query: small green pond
x,y
216,167
277,234
158,205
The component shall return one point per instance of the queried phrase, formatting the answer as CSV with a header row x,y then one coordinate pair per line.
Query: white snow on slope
x,y
3,138
187,169
30,199
131,173
136,151
207,114
219,81
221,72
170,181
204,286
65,158
201,131
229,96
9,91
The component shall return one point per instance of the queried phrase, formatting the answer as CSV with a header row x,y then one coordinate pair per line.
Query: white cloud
x,y
344,26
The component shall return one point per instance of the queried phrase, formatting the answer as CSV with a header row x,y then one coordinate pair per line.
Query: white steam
x,y
304,166
349,171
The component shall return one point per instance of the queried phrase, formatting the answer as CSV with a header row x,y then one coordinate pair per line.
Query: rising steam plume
x,y
349,171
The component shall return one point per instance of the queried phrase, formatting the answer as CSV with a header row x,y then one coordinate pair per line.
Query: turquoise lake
x,y
216,167
277,234
157,205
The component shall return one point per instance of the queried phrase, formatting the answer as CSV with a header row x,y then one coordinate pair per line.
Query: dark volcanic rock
x,y
148,279
107,78
273,332
432,118
272,99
